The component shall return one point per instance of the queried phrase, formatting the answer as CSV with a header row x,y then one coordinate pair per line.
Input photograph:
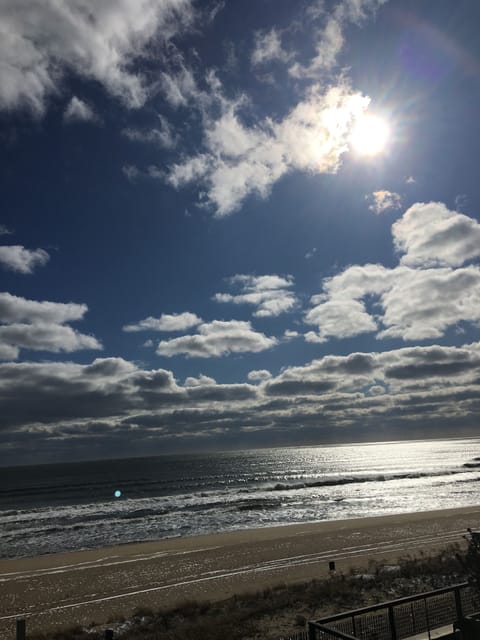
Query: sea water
x,y
51,508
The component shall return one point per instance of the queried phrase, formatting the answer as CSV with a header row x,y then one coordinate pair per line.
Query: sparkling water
x,y
50,508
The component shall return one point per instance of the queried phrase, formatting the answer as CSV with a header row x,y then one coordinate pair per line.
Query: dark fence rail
x,y
400,618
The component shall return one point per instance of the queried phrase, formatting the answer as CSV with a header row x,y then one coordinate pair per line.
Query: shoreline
x,y
79,587
244,533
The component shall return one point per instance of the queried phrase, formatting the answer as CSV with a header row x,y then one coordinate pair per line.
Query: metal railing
x,y
400,618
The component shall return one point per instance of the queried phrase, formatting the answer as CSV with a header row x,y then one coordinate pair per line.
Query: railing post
x,y
311,631
21,629
391,622
427,618
108,634
458,603
412,613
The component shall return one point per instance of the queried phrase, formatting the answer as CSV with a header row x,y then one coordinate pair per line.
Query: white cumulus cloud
x,y
217,338
429,234
40,326
166,322
417,300
40,41
239,160
270,294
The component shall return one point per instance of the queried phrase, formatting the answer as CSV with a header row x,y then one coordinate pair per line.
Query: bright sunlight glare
x,y
370,135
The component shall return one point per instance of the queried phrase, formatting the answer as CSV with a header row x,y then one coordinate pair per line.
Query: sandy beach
x,y
95,585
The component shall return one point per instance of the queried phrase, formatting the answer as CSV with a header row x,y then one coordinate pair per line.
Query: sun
x,y
370,135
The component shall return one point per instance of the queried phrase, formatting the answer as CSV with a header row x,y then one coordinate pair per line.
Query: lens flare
x,y
370,135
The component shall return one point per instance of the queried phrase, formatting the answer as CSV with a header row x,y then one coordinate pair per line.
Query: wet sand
x,y
96,585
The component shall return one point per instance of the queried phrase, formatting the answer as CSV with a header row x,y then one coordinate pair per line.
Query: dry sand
x,y
94,585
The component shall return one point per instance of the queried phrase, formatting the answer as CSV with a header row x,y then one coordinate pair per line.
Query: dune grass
x,y
283,610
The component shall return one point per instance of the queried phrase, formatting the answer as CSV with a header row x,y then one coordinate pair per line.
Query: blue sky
x,y
197,254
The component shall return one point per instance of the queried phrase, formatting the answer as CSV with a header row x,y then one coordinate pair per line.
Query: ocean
x,y
51,508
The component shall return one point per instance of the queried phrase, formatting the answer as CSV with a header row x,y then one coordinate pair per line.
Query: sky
x,y
228,225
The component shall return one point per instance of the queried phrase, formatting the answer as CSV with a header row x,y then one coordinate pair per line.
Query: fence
x,y
400,618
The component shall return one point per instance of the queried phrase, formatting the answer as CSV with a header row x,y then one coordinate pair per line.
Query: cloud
x,y
45,337
201,381
433,368
166,322
17,258
40,326
384,200
268,47
417,302
417,390
461,202
330,37
259,375
5,231
163,135
42,41
288,387
217,338
269,293
17,309
410,304
422,304
429,234
240,160
131,172
179,86
339,316
79,111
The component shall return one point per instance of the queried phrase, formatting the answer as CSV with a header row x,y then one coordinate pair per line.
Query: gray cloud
x,y
46,337
268,47
17,258
420,390
162,135
17,309
79,111
40,326
286,387
434,362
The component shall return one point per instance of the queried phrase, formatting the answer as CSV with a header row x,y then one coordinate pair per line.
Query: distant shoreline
x,y
81,586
